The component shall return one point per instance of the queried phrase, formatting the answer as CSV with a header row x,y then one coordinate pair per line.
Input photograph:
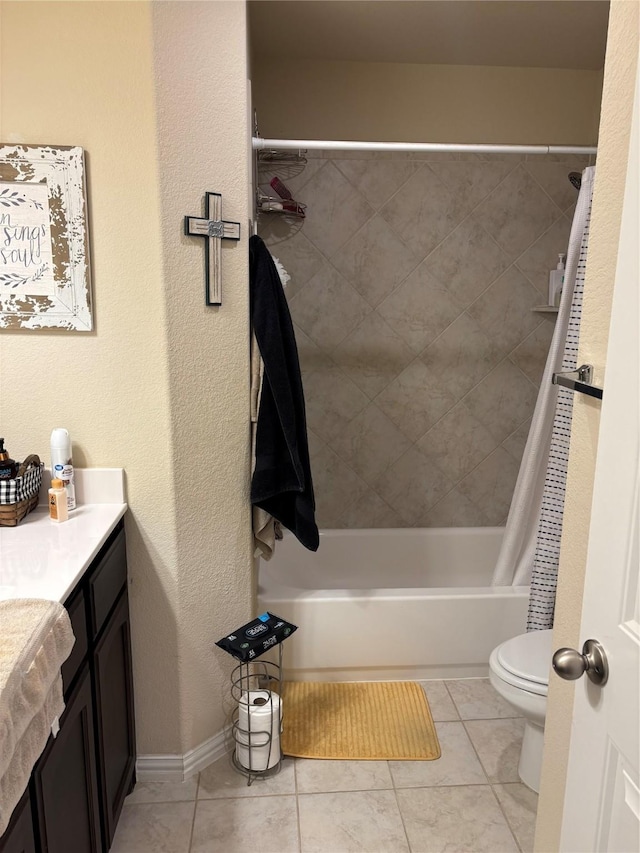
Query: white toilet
x,y
519,671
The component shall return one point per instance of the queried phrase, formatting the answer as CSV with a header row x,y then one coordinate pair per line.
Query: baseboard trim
x,y
211,750
177,768
160,768
396,673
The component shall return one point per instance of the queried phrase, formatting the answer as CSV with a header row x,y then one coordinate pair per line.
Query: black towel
x,y
281,483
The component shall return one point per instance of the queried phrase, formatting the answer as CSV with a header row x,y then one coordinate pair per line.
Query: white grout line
x,y
536,181
490,785
513,832
193,821
296,792
404,826
504,814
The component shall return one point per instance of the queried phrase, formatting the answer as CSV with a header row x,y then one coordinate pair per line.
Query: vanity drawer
x,y
77,609
107,582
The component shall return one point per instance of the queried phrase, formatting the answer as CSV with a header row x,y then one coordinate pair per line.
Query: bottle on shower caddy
x,y
62,464
556,281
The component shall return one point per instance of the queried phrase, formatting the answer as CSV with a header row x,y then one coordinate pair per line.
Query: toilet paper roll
x,y
258,717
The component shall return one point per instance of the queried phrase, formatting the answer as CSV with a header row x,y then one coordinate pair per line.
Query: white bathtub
x,y
391,604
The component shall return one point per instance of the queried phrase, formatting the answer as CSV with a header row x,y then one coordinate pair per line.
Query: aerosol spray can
x,y
62,464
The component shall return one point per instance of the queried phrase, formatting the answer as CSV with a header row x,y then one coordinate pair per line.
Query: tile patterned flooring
x,y
469,800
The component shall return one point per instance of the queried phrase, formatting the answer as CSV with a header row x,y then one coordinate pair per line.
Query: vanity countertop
x,y
43,559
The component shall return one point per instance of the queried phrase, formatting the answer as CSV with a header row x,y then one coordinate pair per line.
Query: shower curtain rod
x,y
332,145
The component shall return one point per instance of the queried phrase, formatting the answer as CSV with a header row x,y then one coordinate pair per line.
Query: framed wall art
x,y
44,253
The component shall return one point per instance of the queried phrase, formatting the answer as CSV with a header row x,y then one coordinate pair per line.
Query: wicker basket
x,y
20,495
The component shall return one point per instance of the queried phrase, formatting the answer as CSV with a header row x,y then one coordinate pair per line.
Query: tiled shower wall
x,y
412,288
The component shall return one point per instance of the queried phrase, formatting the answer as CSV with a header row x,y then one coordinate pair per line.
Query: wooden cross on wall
x,y
214,230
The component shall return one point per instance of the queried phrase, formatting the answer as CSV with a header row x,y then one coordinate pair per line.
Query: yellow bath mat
x,y
372,720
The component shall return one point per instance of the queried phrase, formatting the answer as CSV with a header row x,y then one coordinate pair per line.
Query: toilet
x,y
519,670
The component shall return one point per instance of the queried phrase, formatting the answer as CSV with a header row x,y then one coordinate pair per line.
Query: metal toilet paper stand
x,y
265,678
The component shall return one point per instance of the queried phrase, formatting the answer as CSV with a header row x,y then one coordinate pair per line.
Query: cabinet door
x,y
19,837
76,607
65,781
107,579
113,685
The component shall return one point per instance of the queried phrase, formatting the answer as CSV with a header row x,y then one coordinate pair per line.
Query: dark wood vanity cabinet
x,y
64,782
79,783
113,692
19,837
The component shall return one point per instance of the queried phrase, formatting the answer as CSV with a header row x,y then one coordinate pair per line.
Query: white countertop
x,y
43,559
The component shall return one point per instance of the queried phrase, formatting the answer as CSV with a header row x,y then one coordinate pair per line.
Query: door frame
x,y
613,151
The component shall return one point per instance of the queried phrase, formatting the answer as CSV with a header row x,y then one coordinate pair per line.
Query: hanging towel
x,y
264,525
281,484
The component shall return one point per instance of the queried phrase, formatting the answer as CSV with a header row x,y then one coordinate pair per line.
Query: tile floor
x,y
469,800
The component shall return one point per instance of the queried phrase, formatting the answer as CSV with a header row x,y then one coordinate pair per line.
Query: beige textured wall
x,y
160,387
201,74
110,388
425,103
412,286
613,152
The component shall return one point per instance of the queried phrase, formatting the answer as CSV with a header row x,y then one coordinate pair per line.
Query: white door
x,y
602,801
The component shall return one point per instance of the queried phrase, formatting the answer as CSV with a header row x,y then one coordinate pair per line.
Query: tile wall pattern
x,y
412,287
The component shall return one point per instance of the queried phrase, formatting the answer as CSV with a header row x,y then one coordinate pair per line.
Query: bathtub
x,y
391,604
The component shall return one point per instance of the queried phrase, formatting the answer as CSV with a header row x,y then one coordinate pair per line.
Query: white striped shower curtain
x,y
531,546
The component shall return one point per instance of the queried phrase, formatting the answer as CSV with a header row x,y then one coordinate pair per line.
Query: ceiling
x,y
524,33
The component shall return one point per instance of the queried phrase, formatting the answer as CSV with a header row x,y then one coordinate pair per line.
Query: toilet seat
x,y
524,661
519,672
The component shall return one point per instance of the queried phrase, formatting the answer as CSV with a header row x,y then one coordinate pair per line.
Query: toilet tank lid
x,y
528,656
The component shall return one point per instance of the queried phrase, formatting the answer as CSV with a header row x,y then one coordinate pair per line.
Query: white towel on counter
x,y
15,778
35,639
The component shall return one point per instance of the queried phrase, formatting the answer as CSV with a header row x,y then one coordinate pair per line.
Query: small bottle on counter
x,y
58,501
62,464
8,466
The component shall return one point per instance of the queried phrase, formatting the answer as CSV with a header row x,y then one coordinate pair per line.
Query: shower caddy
x,y
292,162
292,153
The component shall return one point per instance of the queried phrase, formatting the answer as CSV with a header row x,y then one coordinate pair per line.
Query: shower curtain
x,y
531,545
